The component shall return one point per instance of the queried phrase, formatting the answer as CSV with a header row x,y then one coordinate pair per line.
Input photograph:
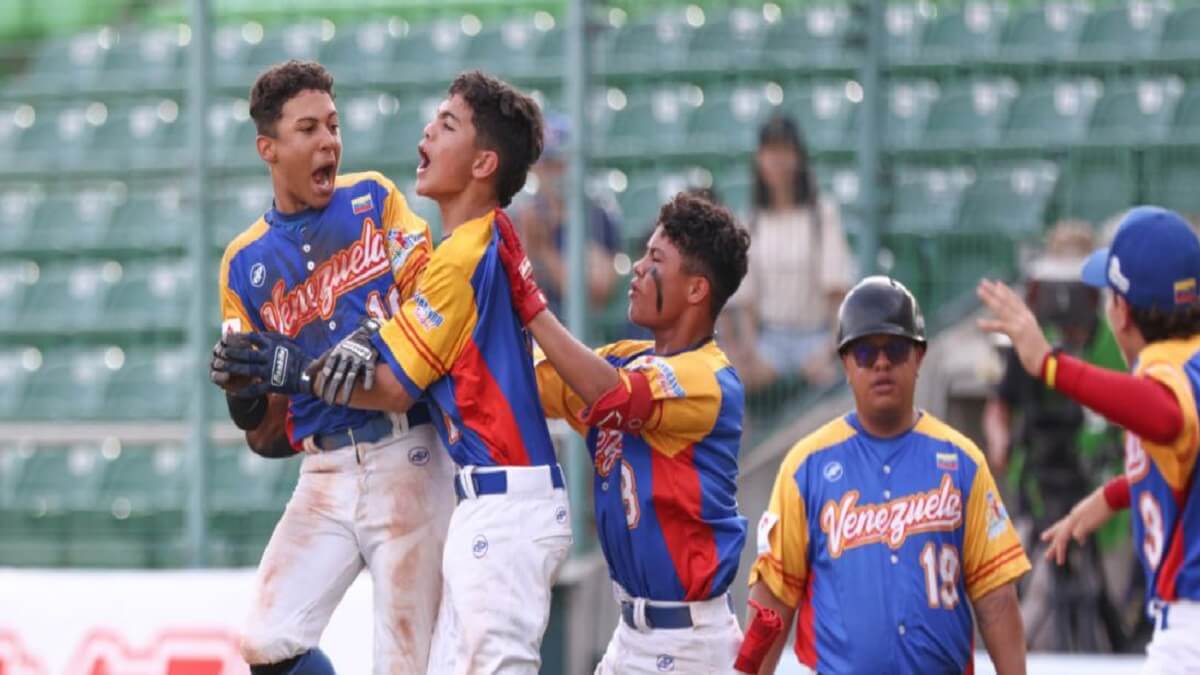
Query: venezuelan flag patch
x,y
1185,291
361,204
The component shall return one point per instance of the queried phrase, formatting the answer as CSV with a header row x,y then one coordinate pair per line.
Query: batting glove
x,y
352,358
527,296
277,364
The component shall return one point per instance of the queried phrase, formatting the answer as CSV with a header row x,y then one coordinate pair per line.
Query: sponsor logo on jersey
x,y
608,450
360,205
427,316
947,461
401,246
765,524
664,374
1185,291
833,472
258,275
288,311
848,525
997,516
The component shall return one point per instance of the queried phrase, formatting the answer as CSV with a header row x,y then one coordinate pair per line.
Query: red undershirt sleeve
x,y
1144,406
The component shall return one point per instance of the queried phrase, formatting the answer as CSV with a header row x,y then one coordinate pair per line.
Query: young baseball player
x,y
458,341
663,423
332,251
885,524
1151,270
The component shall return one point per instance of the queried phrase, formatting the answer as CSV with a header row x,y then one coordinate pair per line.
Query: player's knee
x,y
312,662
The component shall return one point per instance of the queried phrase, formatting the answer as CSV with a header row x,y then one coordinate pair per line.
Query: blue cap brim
x,y
1095,269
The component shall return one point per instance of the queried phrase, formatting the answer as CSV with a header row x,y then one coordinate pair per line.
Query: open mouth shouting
x,y
324,178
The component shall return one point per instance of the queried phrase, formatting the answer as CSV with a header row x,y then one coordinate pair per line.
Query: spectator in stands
x,y
541,219
779,323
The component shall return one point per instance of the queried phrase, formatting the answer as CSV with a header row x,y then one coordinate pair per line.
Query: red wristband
x,y
1116,493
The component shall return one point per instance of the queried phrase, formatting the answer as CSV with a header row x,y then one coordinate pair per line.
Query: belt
x,y
372,430
669,616
496,482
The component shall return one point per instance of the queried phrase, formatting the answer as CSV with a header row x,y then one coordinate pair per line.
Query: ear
x,y
486,164
266,149
1122,314
698,290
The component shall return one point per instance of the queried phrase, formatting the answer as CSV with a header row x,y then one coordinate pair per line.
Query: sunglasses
x,y
865,353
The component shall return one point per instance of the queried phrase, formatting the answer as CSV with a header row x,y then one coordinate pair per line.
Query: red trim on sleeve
x,y
1144,406
806,634
1116,493
623,408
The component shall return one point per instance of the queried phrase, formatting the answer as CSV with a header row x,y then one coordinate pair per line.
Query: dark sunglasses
x,y
865,353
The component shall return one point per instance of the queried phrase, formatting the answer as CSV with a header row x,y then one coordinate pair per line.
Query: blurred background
x,y
935,141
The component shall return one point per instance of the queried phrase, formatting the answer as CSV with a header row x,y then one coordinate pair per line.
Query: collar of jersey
x,y
852,420
292,222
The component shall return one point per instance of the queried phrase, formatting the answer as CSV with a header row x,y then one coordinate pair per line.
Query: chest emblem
x,y
847,525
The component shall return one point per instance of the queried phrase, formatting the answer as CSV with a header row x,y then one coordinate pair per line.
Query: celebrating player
x,y
885,521
1152,270
333,250
663,422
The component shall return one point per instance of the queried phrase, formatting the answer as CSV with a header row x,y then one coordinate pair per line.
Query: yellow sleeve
x,y
409,243
992,552
422,341
686,395
234,317
782,562
558,400
1177,459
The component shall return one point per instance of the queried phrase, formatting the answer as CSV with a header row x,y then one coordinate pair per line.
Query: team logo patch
x,y
360,205
418,456
667,380
666,663
833,472
400,247
560,515
947,461
258,275
765,525
279,367
479,546
427,316
1185,291
848,525
997,516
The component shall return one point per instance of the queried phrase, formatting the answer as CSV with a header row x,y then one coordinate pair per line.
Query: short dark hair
x,y
507,122
1157,325
279,84
713,245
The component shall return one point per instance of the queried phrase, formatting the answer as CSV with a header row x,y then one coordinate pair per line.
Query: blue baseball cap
x,y
1153,261
556,132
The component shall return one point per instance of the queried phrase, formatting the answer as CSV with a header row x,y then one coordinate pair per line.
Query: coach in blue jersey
x,y
885,522
663,423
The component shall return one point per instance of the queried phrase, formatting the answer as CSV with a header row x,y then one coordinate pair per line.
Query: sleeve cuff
x,y
385,353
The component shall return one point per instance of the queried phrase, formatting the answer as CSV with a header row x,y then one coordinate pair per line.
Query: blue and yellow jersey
x,y
666,510
1163,490
892,537
314,275
459,339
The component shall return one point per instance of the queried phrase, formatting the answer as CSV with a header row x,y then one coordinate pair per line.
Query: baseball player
x,y
1151,270
372,492
663,423
458,341
885,523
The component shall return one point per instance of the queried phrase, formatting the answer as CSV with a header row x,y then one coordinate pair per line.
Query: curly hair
x,y
279,84
1157,325
507,122
713,245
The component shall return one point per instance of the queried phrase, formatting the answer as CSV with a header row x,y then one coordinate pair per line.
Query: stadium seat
x,y
73,218
640,202
1128,31
961,259
823,110
18,204
232,45
1179,31
163,371
1135,112
815,39
152,57
1042,32
364,117
927,200
1171,181
70,296
361,50
56,480
729,118
152,295
136,134
1052,113
68,63
509,49
430,52
16,276
240,480
142,479
1097,185
70,383
728,40
649,122
905,23
908,105
968,34
403,130
657,43
56,134
969,114
1185,125
299,40
237,207
151,219
734,188
16,362
1011,199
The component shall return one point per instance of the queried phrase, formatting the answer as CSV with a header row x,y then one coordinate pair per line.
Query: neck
x,y
888,423
782,198
285,201
463,207
681,335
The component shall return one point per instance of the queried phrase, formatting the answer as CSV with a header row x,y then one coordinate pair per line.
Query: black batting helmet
x,y
879,306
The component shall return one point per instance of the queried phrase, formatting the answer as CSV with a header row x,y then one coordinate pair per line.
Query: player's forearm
x,y
270,439
999,616
762,595
387,394
585,372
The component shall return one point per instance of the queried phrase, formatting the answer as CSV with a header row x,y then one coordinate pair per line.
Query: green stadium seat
x,y
735,189
240,481
162,371
70,295
1097,185
152,295
1185,126
1010,199
237,207
927,200
151,220
906,257
232,45
909,102
824,111
815,39
657,43
729,118
56,480
16,363
1135,112
70,63
648,123
302,41
73,218
1042,32
70,383
728,40
18,204
905,23
641,201
509,49
56,133
363,118
1171,181
1179,31
136,134
968,34
969,114
144,480
403,130
430,52
152,57
1128,31
961,259
1052,113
